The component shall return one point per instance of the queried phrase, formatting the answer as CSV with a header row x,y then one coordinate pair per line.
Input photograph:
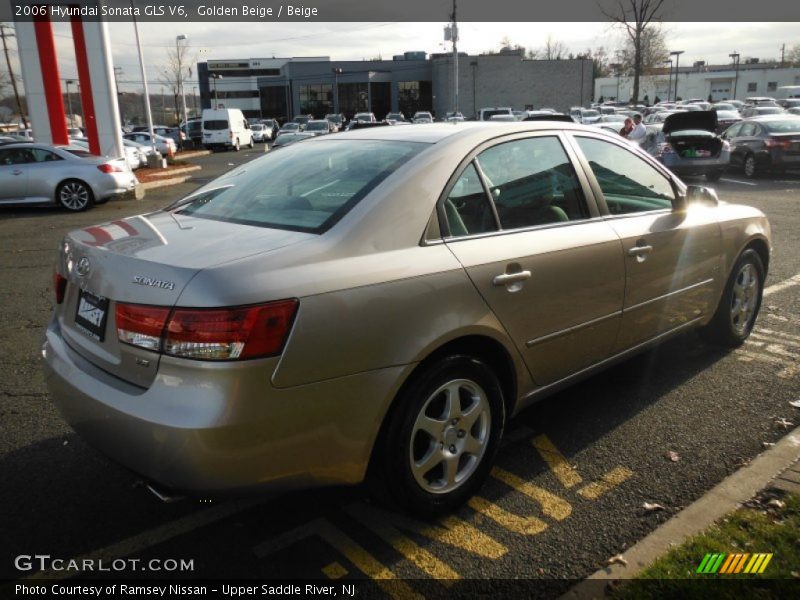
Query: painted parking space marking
x,y
737,181
606,483
560,467
783,319
418,543
782,285
551,505
763,333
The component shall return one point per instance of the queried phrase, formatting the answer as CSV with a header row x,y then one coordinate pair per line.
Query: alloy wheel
x,y
750,166
744,298
450,436
74,195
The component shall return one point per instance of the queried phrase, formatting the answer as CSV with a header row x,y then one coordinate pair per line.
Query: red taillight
x,y
59,286
782,144
208,334
109,168
141,325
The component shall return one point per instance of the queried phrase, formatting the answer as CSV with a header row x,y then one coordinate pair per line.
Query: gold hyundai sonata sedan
x,y
377,304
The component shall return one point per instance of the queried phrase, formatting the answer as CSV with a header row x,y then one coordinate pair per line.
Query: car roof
x,y
436,132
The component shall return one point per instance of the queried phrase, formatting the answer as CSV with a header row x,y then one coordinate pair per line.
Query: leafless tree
x,y
552,50
177,70
654,52
793,55
635,17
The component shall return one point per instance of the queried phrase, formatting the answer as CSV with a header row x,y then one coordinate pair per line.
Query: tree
x,y
793,55
654,52
635,17
177,70
552,50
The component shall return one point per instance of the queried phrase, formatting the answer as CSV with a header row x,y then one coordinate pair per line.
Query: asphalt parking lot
x,y
567,493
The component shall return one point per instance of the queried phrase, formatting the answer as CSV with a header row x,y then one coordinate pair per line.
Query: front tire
x,y
74,195
250,145
738,308
441,437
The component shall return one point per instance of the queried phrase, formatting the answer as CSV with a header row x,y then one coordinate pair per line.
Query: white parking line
x,y
737,181
782,285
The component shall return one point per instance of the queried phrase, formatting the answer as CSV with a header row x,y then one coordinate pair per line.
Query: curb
x,y
174,172
151,185
193,154
725,497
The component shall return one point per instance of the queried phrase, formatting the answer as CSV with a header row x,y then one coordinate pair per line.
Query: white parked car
x,y
132,155
166,146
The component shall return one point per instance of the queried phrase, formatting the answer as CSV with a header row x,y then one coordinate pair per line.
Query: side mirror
x,y
698,194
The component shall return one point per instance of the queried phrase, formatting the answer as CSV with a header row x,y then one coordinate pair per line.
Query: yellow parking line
x,y
510,521
551,505
559,466
410,550
606,483
334,571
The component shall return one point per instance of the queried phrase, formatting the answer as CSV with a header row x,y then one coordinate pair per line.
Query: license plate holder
x,y
91,315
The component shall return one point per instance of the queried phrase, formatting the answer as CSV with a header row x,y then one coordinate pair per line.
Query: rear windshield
x,y
783,126
215,125
488,114
195,125
304,187
321,126
78,153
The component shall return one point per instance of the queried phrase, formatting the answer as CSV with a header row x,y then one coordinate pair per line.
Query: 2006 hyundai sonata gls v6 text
x,y
377,304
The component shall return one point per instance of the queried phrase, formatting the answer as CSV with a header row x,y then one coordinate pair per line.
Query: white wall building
x,y
702,81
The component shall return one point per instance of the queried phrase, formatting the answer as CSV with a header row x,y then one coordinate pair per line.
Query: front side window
x,y
42,155
532,182
628,182
304,187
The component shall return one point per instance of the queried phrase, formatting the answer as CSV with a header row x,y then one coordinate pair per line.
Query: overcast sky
x,y
711,42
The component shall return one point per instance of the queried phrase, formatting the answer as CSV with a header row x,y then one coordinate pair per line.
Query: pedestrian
x,y
627,127
639,132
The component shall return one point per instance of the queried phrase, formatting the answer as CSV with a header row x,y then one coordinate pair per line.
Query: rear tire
x,y
750,167
738,308
440,437
74,195
236,145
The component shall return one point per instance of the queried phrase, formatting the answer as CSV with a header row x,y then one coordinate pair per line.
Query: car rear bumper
x,y
115,184
222,427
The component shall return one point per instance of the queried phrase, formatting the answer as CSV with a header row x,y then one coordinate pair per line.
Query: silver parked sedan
x,y
378,303
64,175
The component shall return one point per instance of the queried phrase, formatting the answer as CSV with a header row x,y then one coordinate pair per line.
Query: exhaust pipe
x,y
164,495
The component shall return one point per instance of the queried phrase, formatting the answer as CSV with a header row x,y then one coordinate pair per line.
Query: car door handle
x,y
507,278
639,250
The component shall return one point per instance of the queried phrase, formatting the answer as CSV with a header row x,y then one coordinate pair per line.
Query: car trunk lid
x,y
705,120
143,260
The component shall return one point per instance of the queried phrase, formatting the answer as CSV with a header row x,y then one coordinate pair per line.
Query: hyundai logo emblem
x,y
83,267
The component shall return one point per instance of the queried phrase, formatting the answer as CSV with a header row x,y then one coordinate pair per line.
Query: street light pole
x,y
179,57
146,88
69,102
215,76
735,56
669,85
677,55
336,73
4,35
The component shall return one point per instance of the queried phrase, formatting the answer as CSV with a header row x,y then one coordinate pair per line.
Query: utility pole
x,y
11,73
783,54
451,35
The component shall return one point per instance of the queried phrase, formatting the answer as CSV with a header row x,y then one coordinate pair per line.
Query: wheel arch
x,y
480,346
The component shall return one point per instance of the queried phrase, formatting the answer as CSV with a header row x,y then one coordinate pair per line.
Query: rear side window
x,y
532,182
215,125
628,182
467,207
304,187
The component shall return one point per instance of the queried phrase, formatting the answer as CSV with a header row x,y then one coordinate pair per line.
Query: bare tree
x,y
177,70
654,52
635,17
552,50
793,55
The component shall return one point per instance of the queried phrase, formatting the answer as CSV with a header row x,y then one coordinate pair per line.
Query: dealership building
x,y
284,87
720,82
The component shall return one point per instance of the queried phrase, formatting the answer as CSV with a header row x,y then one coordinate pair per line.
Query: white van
x,y
787,91
226,128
